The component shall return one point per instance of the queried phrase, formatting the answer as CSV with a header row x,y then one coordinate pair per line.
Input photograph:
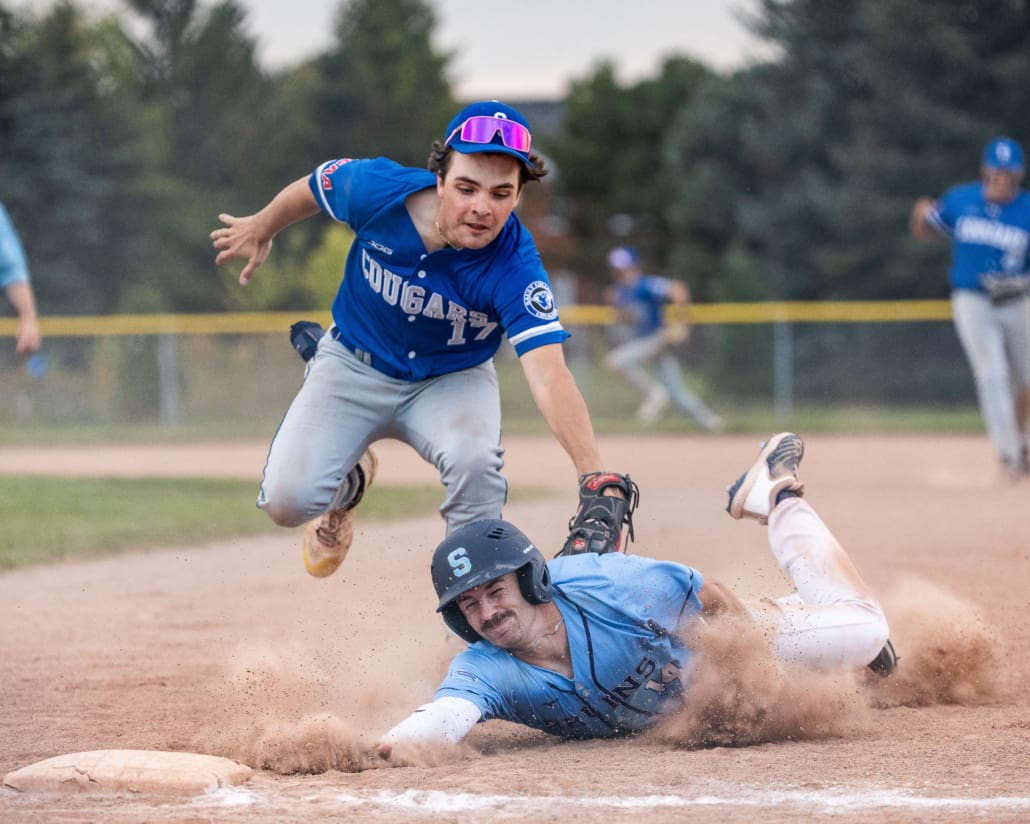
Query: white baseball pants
x,y
833,620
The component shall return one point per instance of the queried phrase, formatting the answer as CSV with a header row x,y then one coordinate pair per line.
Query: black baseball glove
x,y
597,524
305,335
1002,288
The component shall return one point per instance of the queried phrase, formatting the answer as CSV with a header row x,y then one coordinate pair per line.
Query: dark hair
x,y
440,163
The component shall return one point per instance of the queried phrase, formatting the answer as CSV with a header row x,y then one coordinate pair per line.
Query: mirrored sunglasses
x,y
483,129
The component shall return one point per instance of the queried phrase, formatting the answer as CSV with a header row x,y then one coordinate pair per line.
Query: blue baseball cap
x,y
490,126
623,257
1003,153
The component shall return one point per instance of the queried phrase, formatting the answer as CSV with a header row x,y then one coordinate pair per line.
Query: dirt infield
x,y
230,649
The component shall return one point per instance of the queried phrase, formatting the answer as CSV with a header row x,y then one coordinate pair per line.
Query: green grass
x,y
526,420
47,518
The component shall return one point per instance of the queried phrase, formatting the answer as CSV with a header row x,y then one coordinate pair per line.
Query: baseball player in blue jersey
x,y
640,300
989,226
440,270
593,645
14,280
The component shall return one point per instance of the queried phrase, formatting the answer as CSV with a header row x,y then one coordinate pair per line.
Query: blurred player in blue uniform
x,y
440,270
14,281
597,645
640,300
989,225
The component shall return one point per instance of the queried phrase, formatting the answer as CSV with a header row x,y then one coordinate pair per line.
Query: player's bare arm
x,y
28,338
559,400
249,238
917,223
679,292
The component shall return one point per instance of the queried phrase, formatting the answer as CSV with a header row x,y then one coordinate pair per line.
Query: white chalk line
x,y
825,800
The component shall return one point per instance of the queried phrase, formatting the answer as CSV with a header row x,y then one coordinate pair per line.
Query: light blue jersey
x,y
13,268
989,238
414,315
622,614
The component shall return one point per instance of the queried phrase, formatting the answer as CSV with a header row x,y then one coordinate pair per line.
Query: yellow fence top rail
x,y
238,323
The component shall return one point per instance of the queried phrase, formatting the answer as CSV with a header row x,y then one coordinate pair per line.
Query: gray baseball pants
x,y
453,421
996,341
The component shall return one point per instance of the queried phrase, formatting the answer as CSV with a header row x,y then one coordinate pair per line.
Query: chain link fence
x,y
120,371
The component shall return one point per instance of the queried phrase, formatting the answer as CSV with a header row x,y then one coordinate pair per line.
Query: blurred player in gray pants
x,y
640,299
988,222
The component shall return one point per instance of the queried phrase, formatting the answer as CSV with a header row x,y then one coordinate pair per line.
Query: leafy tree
x,y
797,175
869,104
608,157
383,87
69,157
201,96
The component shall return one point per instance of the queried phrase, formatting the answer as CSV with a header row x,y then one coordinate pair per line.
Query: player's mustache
x,y
496,620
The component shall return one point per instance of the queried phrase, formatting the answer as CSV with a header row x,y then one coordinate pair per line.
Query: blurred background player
x,y
440,270
640,299
989,226
593,645
14,280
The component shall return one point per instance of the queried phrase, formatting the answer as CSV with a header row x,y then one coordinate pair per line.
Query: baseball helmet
x,y
623,257
480,552
490,126
1003,153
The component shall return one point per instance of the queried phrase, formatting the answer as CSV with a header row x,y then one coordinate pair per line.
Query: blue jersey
x,y
623,615
13,268
411,314
640,303
988,238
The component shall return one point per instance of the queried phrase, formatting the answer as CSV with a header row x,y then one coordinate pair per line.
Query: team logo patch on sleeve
x,y
326,174
539,300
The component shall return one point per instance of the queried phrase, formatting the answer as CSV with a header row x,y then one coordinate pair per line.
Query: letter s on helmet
x,y
480,552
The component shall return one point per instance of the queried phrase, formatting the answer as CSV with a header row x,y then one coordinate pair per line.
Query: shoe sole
x,y
742,487
328,563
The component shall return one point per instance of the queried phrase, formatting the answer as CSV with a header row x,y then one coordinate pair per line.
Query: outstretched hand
x,y
240,240
377,757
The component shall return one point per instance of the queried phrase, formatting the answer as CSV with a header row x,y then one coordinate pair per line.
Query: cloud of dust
x,y
740,695
296,710
949,654
303,710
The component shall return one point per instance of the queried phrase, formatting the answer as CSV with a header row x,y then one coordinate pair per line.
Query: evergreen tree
x,y
383,88
869,104
201,96
69,157
608,158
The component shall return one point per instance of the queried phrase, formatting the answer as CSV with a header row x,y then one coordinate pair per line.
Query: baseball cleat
x,y
1018,469
886,662
654,405
328,537
753,494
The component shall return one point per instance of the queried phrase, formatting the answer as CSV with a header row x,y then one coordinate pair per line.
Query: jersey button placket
x,y
421,274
